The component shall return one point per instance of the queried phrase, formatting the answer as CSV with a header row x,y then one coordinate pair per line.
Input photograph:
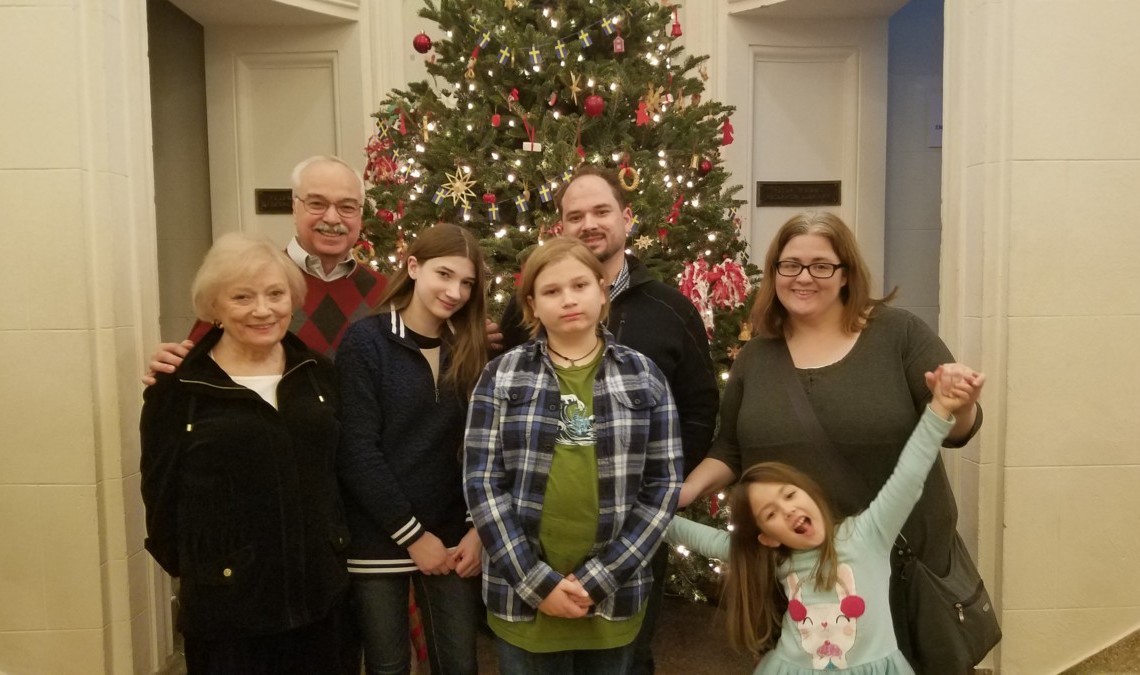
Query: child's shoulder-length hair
x,y
544,255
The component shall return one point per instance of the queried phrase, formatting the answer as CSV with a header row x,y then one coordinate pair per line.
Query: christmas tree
x,y
522,93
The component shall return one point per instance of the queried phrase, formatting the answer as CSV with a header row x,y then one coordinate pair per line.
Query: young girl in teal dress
x,y
835,575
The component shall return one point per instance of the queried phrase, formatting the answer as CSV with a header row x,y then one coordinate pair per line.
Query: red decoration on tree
x,y
675,212
514,95
496,120
488,197
642,113
726,132
676,32
714,506
422,43
594,105
619,43
706,167
662,232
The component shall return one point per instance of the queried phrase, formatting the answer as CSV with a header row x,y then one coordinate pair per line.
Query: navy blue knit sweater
x,y
399,462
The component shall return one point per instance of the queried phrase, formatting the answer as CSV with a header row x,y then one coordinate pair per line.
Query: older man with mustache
x,y
328,199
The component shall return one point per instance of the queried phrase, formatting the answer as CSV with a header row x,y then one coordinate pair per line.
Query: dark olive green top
x,y
868,404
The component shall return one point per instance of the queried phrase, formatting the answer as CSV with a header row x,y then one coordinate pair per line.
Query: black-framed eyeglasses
x,y
792,268
318,207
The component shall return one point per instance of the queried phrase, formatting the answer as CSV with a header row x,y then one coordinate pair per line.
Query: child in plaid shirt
x,y
572,472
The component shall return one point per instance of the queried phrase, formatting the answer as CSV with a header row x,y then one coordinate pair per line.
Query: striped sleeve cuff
x,y
411,531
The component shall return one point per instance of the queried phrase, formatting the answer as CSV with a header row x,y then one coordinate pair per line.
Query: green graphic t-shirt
x,y
570,524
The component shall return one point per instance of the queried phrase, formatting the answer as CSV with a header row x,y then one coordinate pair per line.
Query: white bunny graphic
x,y
827,630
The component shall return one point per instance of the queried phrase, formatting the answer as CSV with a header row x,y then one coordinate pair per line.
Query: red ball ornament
x,y
706,167
421,43
594,105
488,197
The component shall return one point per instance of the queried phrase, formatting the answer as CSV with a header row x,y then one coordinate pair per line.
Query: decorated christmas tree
x,y
523,92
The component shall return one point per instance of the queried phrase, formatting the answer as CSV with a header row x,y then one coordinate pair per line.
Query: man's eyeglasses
x,y
318,207
791,268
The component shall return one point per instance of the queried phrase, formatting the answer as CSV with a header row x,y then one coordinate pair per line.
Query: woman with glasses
x,y
860,363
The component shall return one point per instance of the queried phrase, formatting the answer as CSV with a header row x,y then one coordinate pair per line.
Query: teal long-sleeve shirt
x,y
827,636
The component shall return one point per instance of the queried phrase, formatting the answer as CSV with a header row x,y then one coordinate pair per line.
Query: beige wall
x,y
77,241
1040,285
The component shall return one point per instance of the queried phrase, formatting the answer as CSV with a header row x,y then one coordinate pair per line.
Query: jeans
x,y
451,608
643,663
516,661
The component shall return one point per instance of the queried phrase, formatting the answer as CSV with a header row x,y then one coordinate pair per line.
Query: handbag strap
x,y
805,413
800,404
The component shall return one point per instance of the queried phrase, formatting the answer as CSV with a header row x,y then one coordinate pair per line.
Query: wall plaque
x,y
273,201
798,193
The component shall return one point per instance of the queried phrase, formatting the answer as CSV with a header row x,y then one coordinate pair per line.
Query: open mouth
x,y
802,525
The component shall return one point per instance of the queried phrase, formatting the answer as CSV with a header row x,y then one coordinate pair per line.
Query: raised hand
x,y
953,387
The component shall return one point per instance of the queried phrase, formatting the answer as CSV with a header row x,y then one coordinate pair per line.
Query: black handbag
x,y
950,620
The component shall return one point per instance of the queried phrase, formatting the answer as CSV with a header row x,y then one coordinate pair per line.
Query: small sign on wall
x,y
273,201
799,193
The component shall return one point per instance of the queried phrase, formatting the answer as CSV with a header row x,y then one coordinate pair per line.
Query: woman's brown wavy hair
x,y
769,317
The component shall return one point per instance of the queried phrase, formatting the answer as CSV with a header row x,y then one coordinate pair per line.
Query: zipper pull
x,y
961,614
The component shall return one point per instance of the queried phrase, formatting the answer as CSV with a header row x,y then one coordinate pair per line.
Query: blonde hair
x,y
468,343
769,316
236,257
544,255
753,596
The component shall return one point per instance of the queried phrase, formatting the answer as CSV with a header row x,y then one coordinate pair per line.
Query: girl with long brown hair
x,y
406,375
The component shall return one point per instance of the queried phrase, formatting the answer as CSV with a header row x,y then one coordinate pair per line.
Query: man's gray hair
x,y
304,164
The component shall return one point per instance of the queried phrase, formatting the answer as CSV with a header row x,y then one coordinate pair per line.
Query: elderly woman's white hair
x,y
236,257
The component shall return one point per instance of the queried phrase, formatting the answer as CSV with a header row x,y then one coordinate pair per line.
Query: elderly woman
x,y
238,475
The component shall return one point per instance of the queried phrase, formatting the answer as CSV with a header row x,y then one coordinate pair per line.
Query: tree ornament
x,y
619,45
489,198
726,132
510,4
662,232
642,113
575,89
594,105
676,31
496,120
422,43
459,186
628,178
643,242
706,167
653,98
745,332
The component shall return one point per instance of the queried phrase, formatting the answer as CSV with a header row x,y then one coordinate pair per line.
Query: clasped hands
x,y
568,600
432,557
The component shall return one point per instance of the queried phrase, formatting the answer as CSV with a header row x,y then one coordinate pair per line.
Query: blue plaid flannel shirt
x,y
511,426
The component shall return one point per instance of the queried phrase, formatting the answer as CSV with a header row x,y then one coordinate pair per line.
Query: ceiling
x,y
813,9
268,12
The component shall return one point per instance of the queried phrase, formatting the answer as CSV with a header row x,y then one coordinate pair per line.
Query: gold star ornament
x,y
575,89
643,242
459,186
